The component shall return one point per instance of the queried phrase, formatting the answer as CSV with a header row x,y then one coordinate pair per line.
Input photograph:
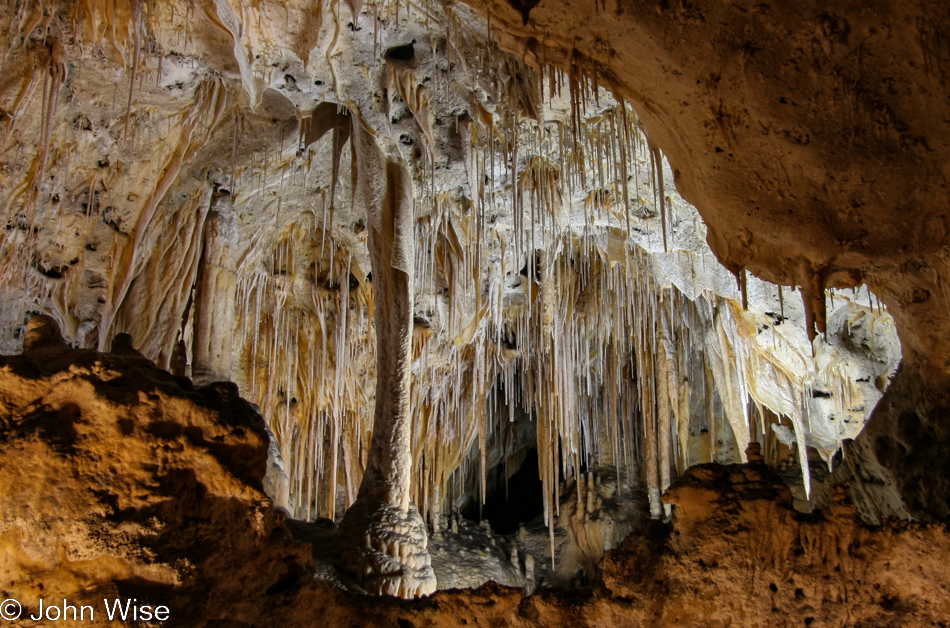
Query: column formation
x,y
215,295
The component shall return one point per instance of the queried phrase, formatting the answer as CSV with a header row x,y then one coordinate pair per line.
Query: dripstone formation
x,y
595,313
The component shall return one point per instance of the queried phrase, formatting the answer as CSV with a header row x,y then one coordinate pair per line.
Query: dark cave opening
x,y
505,510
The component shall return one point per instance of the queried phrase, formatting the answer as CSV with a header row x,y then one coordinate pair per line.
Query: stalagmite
x,y
663,405
652,457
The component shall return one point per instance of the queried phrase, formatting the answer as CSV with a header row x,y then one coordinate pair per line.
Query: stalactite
x,y
532,285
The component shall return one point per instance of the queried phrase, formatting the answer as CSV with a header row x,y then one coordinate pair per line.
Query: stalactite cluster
x,y
558,275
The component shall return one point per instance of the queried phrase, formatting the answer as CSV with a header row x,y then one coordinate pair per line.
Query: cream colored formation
x,y
419,234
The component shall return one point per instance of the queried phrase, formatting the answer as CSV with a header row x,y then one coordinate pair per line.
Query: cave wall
x,y
809,140
804,134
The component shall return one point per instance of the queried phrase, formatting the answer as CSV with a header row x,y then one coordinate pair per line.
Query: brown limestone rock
x,y
117,481
736,553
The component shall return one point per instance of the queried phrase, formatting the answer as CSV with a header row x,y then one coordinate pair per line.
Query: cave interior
x,y
501,312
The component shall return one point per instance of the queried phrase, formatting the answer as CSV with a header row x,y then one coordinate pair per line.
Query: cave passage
x,y
522,501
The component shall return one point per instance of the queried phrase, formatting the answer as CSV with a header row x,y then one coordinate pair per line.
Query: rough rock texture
x,y
386,549
466,556
903,451
118,479
738,554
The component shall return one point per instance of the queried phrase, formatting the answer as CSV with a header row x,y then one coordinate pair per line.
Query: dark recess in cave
x,y
523,502
405,52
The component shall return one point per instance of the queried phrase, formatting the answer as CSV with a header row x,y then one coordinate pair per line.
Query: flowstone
x,y
387,549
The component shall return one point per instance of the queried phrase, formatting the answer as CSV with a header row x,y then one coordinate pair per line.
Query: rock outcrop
x,y
737,554
119,480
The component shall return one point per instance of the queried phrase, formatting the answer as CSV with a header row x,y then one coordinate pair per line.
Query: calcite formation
x,y
786,128
391,556
215,296
424,238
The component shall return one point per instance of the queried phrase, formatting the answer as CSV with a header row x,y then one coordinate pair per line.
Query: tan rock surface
x,y
118,479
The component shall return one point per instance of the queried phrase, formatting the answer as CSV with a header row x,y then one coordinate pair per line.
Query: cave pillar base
x,y
387,549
